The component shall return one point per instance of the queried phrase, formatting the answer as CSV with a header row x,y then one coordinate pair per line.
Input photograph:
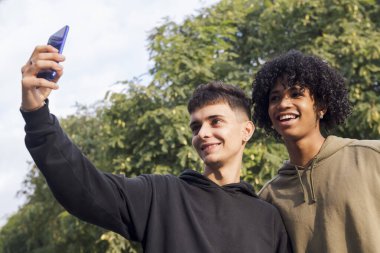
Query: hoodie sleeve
x,y
282,241
111,201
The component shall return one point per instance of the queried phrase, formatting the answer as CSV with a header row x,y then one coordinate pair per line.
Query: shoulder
x,y
264,191
353,143
266,205
366,144
353,153
159,178
267,211
143,180
334,144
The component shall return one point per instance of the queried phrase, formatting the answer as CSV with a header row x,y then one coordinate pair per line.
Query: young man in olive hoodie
x,y
328,193
211,212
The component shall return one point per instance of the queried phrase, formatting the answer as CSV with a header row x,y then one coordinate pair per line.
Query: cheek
x,y
222,133
193,141
309,110
270,112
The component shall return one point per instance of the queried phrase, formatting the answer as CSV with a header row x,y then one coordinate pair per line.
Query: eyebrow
x,y
276,91
294,87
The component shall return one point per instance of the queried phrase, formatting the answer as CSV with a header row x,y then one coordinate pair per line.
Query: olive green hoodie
x,y
333,204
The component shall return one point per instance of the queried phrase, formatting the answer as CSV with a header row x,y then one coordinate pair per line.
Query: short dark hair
x,y
326,86
216,92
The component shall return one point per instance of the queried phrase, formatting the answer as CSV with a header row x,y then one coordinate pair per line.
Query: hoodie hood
x,y
196,178
331,145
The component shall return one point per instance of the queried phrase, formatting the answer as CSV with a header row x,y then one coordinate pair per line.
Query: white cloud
x,y
106,43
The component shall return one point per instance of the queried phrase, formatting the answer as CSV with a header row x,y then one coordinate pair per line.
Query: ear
x,y
321,113
249,129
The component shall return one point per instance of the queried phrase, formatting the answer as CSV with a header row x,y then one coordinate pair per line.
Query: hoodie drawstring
x,y
313,200
302,186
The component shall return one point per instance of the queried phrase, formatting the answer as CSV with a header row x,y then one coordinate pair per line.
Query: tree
x,y
144,129
346,34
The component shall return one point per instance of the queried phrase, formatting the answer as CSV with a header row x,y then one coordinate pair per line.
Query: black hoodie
x,y
189,213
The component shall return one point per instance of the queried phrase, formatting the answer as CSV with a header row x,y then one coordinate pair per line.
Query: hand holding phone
x,y
56,40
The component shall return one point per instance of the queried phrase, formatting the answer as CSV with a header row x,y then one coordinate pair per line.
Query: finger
x,y
44,48
47,84
47,65
54,57
31,82
44,93
43,83
28,66
40,65
51,56
52,49
41,49
58,75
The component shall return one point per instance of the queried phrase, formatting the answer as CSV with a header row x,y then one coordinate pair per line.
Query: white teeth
x,y
288,116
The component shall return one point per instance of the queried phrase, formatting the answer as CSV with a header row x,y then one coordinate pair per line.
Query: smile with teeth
x,y
287,117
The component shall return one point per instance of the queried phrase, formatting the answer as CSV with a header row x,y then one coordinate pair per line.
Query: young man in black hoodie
x,y
209,212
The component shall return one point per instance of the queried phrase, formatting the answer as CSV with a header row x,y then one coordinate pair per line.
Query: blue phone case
x,y
57,40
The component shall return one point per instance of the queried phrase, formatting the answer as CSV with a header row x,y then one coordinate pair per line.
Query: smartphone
x,y
57,40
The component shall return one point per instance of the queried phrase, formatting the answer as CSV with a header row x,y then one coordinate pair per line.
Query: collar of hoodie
x,y
331,145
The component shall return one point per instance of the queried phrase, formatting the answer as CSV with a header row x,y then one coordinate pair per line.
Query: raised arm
x,y
110,201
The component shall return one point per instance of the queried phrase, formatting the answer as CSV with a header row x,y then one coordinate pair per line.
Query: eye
x,y
215,121
295,93
274,98
195,129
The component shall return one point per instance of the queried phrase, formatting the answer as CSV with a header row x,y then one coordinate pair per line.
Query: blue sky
x,y
106,43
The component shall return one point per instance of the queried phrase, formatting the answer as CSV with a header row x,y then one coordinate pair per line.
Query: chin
x,y
289,137
212,164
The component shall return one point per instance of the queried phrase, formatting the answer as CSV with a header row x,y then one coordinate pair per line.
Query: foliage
x,y
144,129
42,226
147,134
344,32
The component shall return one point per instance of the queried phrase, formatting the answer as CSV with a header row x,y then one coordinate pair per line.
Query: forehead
x,y
278,87
282,85
219,109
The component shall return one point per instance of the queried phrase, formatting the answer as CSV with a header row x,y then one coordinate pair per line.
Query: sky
x,y
107,42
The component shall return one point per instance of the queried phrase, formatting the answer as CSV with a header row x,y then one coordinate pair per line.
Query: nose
x,y
204,131
285,102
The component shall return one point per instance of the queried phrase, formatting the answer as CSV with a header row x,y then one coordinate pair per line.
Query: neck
x,y
302,151
222,175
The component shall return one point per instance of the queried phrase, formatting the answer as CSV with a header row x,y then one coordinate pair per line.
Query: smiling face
x,y
292,112
220,134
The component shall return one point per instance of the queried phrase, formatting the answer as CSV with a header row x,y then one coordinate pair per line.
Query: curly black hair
x,y
326,86
217,91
